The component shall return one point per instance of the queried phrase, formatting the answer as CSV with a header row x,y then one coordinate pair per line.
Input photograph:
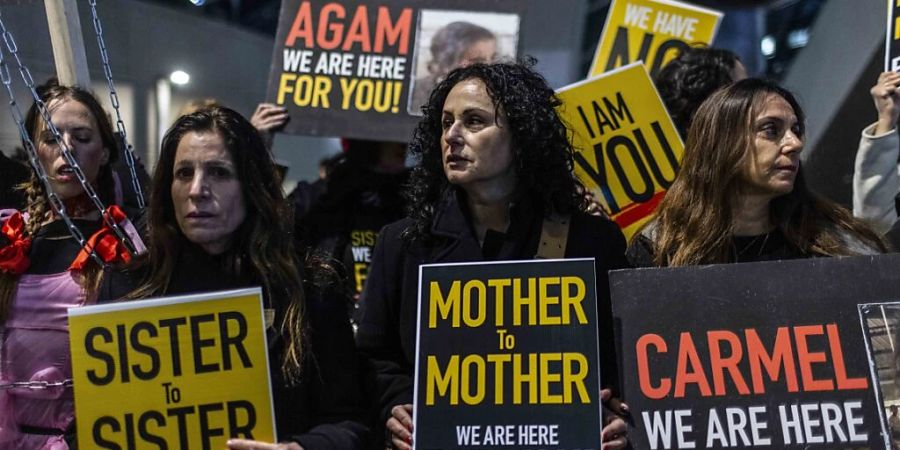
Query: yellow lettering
x,y
444,306
449,381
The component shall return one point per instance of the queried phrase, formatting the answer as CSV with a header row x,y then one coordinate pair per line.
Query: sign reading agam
x,y
761,355
652,31
172,372
627,151
507,355
892,40
363,69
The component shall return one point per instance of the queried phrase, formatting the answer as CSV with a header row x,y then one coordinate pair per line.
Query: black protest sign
x,y
761,355
507,356
362,69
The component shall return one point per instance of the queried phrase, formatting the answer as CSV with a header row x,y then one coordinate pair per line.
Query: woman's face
x,y
778,141
483,51
475,143
206,191
79,131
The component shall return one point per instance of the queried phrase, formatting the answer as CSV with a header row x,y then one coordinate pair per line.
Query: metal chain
x,y
114,99
36,385
64,149
55,202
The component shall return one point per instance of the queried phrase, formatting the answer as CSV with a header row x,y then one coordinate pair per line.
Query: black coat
x,y
387,332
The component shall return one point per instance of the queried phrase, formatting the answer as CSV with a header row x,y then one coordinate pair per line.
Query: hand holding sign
x,y
400,425
244,444
886,95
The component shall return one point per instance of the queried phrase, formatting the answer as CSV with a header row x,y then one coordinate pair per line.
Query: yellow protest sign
x,y
627,150
652,31
177,372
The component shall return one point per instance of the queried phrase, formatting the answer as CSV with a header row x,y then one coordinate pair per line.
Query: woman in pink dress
x,y
44,270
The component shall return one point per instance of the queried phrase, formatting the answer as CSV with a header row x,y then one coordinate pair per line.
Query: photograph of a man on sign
x,y
449,39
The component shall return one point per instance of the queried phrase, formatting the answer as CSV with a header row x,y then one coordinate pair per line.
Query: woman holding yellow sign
x,y
494,173
218,220
740,194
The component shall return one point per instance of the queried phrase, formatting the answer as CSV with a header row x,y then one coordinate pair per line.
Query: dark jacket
x,y
326,408
387,332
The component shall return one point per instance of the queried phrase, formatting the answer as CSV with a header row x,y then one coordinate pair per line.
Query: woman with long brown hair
x,y
740,194
44,269
218,220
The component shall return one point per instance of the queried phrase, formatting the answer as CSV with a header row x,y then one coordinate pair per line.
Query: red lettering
x,y
720,365
807,358
398,32
302,27
687,353
782,356
337,29
359,31
840,369
643,366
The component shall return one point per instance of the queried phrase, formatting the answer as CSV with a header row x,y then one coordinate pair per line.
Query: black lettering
x,y
110,362
587,123
236,341
145,433
661,54
621,141
602,119
172,325
667,149
122,342
237,429
198,343
151,352
620,109
206,433
181,414
598,176
129,431
97,432
651,161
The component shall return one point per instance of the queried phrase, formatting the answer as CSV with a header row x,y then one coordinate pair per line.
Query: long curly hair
x,y
261,246
695,219
689,79
38,205
542,152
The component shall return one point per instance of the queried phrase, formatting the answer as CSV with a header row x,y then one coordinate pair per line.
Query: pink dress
x,y
35,347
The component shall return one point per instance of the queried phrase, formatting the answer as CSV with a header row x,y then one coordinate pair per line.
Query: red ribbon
x,y
14,256
104,242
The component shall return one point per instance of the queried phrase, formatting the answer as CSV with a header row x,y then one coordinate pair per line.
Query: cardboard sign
x,y
363,69
892,40
652,31
627,150
761,355
177,372
507,356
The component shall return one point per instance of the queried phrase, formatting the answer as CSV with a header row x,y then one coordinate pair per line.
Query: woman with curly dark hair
x,y
494,171
686,81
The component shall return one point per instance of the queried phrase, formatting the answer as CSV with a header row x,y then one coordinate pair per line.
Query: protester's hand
x,y
401,427
886,95
613,436
267,119
245,444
